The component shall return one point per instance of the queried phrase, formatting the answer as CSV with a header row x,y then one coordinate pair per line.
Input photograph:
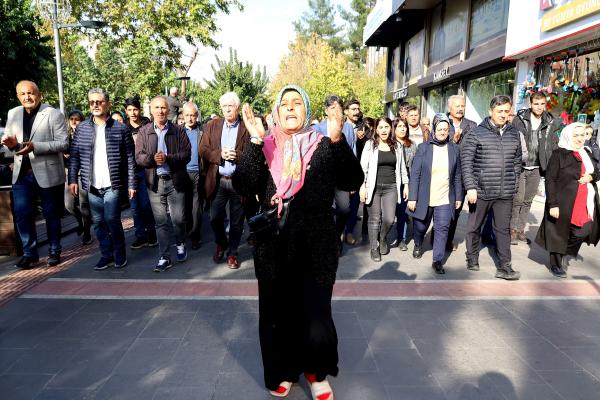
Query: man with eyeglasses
x,y
37,133
353,118
102,155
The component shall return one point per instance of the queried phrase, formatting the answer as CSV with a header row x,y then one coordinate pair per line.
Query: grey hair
x,y
192,105
163,98
173,89
230,96
98,91
453,97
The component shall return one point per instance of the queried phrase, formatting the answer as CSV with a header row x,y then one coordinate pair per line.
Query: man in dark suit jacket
x,y
222,145
163,149
38,135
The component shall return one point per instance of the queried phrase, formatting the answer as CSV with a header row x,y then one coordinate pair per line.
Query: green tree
x,y
356,21
25,52
315,66
320,20
249,83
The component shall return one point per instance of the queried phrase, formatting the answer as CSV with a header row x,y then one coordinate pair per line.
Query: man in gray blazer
x,y
38,135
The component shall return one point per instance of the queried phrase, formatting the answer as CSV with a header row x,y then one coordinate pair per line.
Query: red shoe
x,y
232,262
319,390
219,254
283,390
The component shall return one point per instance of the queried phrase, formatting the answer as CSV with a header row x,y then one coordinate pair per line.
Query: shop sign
x,y
400,93
568,13
441,74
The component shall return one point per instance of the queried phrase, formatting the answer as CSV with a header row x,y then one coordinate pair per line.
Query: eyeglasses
x,y
96,102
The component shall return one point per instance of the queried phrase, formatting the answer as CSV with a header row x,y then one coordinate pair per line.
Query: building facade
x,y
440,48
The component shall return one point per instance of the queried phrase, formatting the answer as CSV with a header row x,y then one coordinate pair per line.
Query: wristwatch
x,y
256,140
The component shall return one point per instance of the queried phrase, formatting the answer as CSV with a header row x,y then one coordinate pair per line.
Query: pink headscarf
x,y
288,155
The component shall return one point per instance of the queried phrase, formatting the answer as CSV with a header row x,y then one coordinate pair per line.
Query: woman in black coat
x,y
435,189
571,212
298,167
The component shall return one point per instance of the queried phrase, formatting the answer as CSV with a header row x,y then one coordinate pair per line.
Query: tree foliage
x,y
315,66
25,52
356,21
320,21
248,82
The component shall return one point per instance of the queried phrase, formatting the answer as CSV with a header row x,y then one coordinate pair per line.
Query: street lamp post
x,y
56,10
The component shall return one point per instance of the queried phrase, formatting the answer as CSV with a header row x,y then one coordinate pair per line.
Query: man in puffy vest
x,y
491,165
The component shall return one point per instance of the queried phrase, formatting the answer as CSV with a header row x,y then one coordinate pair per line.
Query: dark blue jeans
x,y
25,192
401,218
143,219
442,215
353,217
106,218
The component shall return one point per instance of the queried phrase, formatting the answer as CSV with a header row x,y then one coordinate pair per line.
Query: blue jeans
x,y
25,192
353,217
401,218
442,215
143,219
106,219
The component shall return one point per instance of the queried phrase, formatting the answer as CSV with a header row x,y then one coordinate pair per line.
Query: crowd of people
x,y
299,183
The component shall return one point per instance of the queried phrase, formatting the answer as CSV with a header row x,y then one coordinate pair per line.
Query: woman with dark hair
x,y
409,148
361,140
385,173
571,213
296,171
436,189
118,116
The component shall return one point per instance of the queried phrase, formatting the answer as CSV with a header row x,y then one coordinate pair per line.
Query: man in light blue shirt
x,y
195,195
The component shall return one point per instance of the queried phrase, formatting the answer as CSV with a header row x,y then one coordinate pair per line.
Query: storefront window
x,y
393,72
489,19
481,90
448,30
437,98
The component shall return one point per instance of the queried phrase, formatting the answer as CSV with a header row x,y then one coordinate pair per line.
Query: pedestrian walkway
x,y
404,332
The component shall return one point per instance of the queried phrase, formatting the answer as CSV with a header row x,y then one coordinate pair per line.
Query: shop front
x,y
557,49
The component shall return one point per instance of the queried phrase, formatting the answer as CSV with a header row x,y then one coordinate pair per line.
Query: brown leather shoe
x,y
232,262
219,254
196,244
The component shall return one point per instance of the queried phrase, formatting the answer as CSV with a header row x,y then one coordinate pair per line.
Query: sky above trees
x,y
265,43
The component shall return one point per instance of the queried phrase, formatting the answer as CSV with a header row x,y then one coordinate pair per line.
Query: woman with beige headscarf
x,y
571,213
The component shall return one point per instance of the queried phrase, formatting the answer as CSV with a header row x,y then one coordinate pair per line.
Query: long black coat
x,y
562,174
309,240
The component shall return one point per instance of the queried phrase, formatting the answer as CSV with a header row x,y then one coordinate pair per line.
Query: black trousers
x,y
576,237
296,330
502,209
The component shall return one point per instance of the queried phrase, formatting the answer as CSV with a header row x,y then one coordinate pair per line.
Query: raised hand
x,y
253,124
335,122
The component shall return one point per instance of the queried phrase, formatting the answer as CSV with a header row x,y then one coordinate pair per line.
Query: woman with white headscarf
x,y
571,213
295,172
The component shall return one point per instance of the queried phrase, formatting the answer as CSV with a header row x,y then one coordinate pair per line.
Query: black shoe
x,y
394,243
152,241
472,265
375,255
402,246
417,252
437,266
27,262
451,246
558,271
384,247
163,265
506,272
54,259
104,263
86,238
138,243
121,264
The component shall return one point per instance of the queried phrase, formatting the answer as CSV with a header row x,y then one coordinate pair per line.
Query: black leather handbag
x,y
267,224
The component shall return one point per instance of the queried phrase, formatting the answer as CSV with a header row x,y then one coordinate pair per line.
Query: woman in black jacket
x,y
297,169
571,213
